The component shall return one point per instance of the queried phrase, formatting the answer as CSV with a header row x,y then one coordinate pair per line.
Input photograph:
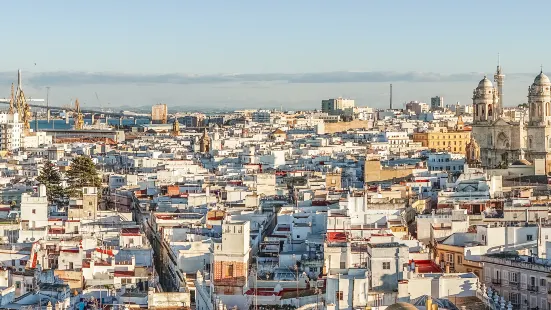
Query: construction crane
x,y
79,119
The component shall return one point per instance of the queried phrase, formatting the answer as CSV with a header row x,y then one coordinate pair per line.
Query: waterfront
x,y
60,123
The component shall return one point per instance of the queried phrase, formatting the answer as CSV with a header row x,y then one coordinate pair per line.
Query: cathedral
x,y
500,140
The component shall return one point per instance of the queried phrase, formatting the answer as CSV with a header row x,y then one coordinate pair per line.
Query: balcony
x,y
532,288
496,281
514,284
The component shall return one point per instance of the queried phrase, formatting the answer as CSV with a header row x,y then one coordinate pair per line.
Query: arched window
x,y
529,142
490,110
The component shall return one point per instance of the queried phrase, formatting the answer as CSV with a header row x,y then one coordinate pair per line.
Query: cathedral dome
x,y
541,79
485,83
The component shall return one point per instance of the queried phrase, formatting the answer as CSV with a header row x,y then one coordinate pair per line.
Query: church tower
x,y
539,96
499,78
485,101
204,142
538,140
175,128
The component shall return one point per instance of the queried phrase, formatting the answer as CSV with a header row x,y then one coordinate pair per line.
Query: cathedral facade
x,y
501,140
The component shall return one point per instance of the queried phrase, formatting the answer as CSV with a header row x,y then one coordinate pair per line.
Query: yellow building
x,y
374,172
452,257
444,140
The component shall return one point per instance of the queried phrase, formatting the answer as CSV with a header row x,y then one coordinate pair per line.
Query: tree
x,y
82,173
51,178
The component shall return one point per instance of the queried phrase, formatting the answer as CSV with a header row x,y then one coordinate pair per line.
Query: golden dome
x,y
401,306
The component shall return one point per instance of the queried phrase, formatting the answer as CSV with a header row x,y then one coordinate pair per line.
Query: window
x,y
339,295
529,237
18,284
459,259
34,211
449,257
514,298
513,277
229,271
543,283
386,265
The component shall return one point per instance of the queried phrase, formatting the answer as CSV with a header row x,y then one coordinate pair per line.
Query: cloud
x,y
87,78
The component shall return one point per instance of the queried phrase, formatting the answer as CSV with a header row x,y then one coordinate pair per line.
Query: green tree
x,y
82,173
51,178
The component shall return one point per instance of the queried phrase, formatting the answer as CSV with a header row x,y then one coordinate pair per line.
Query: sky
x,y
265,54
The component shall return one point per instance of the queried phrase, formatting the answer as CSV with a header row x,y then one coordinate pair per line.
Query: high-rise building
x,y
11,132
437,103
262,116
159,114
417,107
337,106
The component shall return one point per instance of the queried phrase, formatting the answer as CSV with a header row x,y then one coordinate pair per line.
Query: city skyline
x,y
262,50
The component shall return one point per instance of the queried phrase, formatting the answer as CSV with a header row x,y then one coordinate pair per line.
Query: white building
x,y
446,162
11,132
34,208
386,264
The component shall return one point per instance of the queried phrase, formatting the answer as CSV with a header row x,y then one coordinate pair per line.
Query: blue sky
x,y
136,44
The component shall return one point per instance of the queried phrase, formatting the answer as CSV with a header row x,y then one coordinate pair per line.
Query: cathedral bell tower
x,y
485,102
539,96
499,78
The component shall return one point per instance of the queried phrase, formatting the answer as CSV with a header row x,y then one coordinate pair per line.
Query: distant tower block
x,y
159,114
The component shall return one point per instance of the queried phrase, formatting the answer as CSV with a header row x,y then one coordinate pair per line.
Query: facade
x,y
450,252
159,114
436,103
11,132
337,106
444,140
502,138
446,162
386,265
522,280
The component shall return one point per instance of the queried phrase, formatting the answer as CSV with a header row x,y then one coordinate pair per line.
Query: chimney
x,y
391,108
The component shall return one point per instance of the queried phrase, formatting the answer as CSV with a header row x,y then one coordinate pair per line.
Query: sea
x,y
60,123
